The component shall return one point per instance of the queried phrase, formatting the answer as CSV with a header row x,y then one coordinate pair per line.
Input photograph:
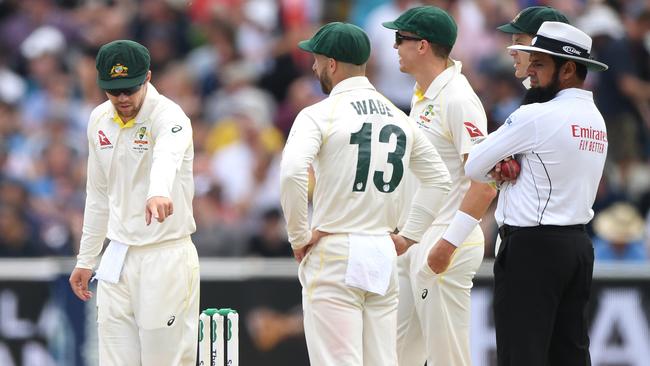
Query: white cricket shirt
x,y
360,145
452,117
151,155
561,146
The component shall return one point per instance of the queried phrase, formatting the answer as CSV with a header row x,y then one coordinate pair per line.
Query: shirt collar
x,y
439,82
574,93
145,111
352,83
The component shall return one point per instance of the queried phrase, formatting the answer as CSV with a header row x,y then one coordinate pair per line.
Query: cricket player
x,y
139,195
523,28
360,146
436,275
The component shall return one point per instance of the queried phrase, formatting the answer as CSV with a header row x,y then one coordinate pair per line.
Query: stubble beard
x,y
325,83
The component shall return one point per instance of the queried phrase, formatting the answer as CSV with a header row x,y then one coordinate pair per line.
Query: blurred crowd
x,y
234,68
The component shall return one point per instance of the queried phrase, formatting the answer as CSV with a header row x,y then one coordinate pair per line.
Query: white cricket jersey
x,y
452,117
151,155
360,145
561,146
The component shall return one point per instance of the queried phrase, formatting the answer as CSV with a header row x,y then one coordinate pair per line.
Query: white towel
x,y
112,261
370,262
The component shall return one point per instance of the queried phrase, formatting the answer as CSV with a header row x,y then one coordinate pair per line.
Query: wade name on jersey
x,y
371,106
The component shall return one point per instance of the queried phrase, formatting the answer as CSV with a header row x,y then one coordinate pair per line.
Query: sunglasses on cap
x,y
399,38
126,91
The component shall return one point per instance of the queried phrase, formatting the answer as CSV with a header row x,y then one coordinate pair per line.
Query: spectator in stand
x,y
619,93
271,239
619,234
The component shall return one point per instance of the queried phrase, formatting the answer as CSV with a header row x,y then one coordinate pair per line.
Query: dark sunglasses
x,y
126,91
399,38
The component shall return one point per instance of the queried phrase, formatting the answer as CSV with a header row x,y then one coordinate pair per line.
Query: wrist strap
x,y
460,228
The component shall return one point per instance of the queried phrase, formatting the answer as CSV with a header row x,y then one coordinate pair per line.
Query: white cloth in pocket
x,y
370,262
112,262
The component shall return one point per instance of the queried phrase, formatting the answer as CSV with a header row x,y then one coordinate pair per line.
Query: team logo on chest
x,y
426,116
104,142
141,142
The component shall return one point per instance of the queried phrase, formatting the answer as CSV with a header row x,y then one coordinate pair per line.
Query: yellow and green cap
x,y
122,64
530,19
428,22
343,42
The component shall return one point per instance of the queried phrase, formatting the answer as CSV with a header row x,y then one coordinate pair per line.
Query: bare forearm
x,y
478,199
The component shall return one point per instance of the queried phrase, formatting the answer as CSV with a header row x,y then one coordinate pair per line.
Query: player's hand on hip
x,y
301,252
440,255
159,208
79,280
402,244
316,236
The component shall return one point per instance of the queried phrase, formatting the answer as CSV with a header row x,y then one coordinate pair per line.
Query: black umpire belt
x,y
505,229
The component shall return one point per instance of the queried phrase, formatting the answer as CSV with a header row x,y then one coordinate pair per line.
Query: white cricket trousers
x,y
345,326
150,317
434,309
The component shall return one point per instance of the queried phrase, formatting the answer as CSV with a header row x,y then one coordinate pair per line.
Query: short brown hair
x,y
440,50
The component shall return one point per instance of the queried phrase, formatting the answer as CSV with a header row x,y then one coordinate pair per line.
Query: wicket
x,y
218,338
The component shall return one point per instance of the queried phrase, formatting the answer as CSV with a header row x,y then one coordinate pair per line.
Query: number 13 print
x,y
363,139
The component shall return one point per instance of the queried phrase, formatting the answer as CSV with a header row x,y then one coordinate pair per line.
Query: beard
x,y
325,83
543,94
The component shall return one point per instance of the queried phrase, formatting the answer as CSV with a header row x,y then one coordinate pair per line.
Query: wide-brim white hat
x,y
619,223
565,41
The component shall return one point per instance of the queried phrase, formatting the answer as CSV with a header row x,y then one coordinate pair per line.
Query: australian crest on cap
x,y
119,70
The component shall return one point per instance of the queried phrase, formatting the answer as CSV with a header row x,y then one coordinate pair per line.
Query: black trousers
x,y
542,282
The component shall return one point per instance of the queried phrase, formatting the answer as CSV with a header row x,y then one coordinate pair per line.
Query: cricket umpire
x,y
139,195
543,270
359,145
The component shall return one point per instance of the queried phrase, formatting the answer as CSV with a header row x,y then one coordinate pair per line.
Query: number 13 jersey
x,y
360,147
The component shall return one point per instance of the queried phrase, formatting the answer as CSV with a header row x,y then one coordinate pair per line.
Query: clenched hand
x,y
440,256
301,252
159,207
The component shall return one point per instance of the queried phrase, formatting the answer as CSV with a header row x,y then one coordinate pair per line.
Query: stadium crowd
x,y
234,68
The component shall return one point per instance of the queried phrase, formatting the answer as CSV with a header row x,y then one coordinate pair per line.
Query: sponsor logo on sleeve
x,y
473,131
104,142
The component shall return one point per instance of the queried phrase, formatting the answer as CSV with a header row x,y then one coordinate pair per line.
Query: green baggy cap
x,y
530,19
341,41
122,64
428,22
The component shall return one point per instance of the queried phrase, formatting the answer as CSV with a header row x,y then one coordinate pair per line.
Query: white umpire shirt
x,y
561,146
360,145
150,155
